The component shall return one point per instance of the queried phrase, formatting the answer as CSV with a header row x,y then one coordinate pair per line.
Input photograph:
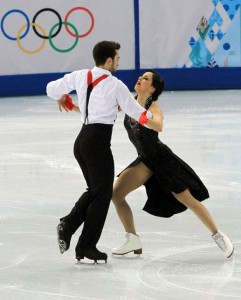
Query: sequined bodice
x,y
142,138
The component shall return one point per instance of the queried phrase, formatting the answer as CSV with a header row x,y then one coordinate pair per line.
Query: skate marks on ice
x,y
40,181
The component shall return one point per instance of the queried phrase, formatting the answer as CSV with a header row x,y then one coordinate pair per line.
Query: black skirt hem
x,y
160,200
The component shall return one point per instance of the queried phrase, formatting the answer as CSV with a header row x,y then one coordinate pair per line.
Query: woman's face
x,y
144,84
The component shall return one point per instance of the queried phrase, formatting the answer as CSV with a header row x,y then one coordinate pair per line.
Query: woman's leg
x,y
198,208
129,180
222,240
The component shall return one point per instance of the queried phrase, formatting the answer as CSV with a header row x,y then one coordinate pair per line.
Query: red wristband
x,y
68,102
143,118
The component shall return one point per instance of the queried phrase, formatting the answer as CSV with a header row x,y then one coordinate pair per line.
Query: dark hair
x,y
103,50
158,84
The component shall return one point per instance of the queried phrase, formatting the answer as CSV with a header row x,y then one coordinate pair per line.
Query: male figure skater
x,y
99,95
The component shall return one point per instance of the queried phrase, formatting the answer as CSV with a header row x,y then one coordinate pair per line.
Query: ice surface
x,y
40,181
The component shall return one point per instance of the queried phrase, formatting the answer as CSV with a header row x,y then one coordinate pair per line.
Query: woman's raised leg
x,y
203,214
198,208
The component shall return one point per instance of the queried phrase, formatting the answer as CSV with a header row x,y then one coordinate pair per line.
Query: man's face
x,y
115,62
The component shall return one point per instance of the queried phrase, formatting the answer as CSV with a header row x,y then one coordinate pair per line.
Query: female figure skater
x,y
171,185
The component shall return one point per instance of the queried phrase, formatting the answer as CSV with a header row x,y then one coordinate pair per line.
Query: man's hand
x,y
62,104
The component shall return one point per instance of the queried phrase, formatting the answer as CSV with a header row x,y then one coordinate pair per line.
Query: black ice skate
x,y
79,253
90,253
64,236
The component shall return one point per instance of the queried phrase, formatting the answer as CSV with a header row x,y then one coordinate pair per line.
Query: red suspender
x,y
89,78
91,85
94,83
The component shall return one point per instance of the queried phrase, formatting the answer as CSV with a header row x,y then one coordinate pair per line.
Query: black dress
x,y
170,173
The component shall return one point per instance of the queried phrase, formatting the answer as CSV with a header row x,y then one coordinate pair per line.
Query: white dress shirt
x,y
104,98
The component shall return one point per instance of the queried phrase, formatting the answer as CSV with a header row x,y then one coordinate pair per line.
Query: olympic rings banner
x,y
58,36
195,44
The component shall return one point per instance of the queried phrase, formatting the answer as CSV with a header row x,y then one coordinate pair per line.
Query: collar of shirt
x,y
99,71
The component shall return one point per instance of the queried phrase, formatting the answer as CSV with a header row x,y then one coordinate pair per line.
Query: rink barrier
x,y
175,79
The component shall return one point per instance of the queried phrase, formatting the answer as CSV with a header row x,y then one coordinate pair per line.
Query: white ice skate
x,y
224,243
132,244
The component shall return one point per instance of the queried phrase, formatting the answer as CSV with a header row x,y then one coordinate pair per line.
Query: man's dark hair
x,y
104,50
158,84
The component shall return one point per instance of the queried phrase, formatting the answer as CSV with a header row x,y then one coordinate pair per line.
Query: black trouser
x,y
93,153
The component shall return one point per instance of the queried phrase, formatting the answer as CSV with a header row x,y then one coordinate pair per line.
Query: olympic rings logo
x,y
41,33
